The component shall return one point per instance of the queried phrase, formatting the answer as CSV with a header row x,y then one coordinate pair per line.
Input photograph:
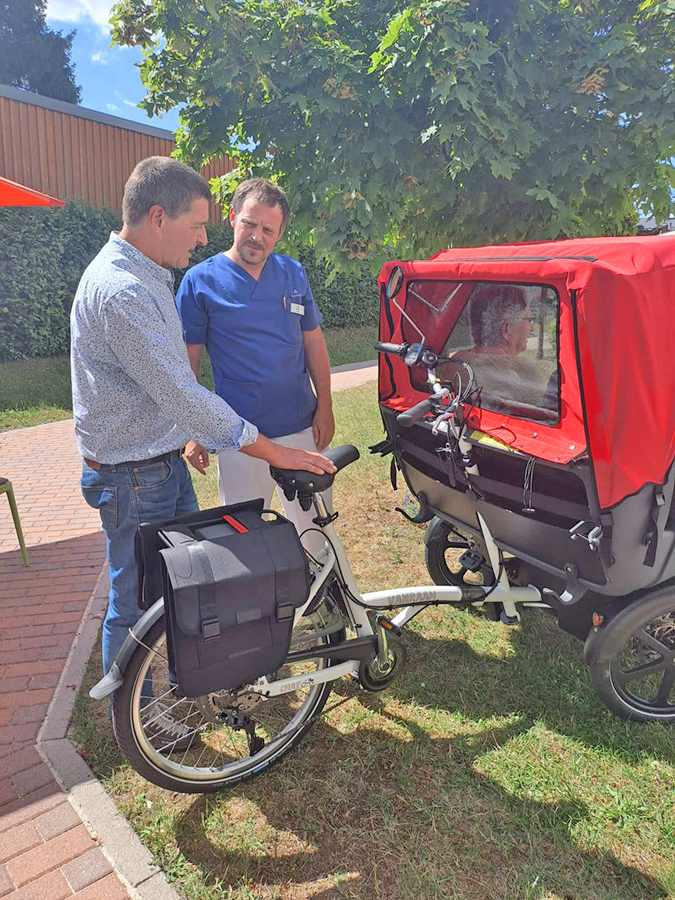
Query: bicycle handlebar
x,y
415,413
398,349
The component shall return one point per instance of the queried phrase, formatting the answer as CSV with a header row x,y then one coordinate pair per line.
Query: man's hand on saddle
x,y
292,458
197,456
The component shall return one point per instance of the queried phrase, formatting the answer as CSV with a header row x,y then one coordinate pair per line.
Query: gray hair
x,y
265,192
161,181
489,308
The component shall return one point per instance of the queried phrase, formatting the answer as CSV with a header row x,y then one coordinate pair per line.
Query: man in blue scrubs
x,y
254,311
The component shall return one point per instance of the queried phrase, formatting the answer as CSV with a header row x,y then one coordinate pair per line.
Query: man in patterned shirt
x,y
136,401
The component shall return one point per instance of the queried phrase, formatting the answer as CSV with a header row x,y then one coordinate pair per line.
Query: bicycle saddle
x,y
292,480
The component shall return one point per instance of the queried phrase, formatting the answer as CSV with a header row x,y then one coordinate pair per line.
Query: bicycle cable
x,y
421,604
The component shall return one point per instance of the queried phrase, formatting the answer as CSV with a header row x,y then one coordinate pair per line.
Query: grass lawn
x,y
487,772
36,391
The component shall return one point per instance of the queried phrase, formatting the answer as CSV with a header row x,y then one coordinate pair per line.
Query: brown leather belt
x,y
163,457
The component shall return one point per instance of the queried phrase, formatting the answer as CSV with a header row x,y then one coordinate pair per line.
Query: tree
x,y
32,56
407,127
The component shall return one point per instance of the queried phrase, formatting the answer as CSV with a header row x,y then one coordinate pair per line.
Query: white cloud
x,y
101,58
130,103
112,107
98,11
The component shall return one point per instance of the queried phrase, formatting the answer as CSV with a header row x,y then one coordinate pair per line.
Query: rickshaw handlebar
x,y
415,413
397,349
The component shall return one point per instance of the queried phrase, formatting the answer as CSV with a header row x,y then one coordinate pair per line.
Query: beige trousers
x,y
242,477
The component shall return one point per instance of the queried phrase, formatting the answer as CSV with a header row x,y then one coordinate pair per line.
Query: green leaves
x,y
503,168
428,109
211,8
396,26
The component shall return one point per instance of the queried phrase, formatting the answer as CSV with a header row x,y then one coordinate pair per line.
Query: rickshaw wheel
x,y
442,549
632,660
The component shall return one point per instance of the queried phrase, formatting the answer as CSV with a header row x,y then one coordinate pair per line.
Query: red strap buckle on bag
x,y
233,523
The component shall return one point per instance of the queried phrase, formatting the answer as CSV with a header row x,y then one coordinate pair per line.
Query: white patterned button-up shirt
x,y
134,393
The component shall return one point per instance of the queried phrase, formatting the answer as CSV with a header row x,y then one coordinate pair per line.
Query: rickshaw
x,y
528,395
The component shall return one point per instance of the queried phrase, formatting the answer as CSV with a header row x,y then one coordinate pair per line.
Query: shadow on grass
x,y
543,680
418,822
422,792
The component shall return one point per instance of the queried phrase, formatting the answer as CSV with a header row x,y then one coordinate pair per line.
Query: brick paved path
x,y
46,852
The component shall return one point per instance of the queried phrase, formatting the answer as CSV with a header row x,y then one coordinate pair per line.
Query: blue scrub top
x,y
253,335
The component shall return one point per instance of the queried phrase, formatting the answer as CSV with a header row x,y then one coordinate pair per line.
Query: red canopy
x,y
13,194
616,330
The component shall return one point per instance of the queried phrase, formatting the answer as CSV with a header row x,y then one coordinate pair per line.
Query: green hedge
x,y
43,253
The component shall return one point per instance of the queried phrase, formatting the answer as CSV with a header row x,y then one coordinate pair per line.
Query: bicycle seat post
x,y
323,517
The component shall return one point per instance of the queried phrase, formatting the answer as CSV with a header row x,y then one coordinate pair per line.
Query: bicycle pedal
x,y
472,560
389,625
354,682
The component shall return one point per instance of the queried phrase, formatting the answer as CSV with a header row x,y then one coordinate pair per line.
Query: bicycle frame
x,y
413,600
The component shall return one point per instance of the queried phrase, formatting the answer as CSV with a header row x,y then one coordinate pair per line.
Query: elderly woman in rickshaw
x,y
501,322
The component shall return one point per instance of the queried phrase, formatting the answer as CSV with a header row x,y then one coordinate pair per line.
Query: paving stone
x,y
44,680
24,809
25,698
13,684
60,850
58,651
31,779
34,668
19,734
29,714
86,869
19,839
58,820
26,654
34,640
7,790
76,605
156,888
6,883
52,886
108,888
67,627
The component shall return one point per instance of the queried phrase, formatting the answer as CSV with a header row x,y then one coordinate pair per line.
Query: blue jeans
x,y
126,495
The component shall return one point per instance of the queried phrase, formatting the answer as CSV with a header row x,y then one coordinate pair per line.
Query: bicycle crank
x,y
376,673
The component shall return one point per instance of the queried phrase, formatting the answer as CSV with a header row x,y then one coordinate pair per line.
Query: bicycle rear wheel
x,y
223,738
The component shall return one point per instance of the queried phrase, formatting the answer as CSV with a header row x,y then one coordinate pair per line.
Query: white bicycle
x,y
215,741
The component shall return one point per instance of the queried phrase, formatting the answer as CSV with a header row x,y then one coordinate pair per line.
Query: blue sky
x,y
109,79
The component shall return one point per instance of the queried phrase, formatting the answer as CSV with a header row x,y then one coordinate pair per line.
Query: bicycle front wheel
x,y
205,744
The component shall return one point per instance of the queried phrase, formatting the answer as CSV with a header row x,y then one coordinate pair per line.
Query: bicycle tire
x,y
176,775
628,674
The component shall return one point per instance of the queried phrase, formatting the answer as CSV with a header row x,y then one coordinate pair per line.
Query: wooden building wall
x,y
73,157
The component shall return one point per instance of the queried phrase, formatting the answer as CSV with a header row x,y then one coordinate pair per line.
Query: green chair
x,y
6,488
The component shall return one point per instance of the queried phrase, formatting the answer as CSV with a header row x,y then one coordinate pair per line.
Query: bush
x,y
43,253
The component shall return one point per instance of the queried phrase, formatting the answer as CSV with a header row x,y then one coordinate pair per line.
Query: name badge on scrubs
x,y
298,308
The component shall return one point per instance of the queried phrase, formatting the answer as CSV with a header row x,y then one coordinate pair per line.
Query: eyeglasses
x,y
516,319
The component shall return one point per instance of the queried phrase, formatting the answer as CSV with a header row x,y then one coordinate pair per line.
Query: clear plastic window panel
x,y
505,339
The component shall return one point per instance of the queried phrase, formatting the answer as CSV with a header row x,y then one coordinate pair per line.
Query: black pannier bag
x,y
232,581
149,542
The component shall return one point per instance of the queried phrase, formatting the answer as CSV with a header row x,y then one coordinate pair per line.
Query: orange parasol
x,y
13,194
